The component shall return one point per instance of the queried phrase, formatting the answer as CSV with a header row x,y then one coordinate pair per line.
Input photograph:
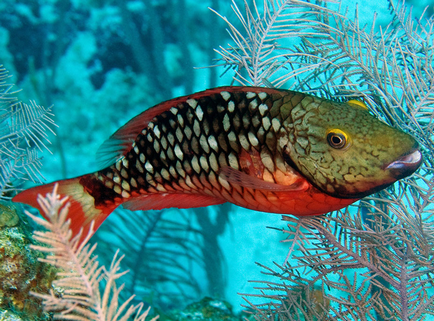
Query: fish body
x,y
265,149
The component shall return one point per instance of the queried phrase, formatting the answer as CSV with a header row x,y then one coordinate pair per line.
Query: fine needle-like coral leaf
x,y
258,50
373,260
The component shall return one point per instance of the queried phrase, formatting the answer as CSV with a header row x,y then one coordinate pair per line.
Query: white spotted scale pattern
x,y
184,148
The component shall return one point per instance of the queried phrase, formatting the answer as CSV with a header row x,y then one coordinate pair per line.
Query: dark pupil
x,y
336,140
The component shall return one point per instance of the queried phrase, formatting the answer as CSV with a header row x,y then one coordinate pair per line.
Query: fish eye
x,y
337,138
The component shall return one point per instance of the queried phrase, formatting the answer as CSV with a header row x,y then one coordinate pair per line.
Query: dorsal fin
x,y
118,144
121,141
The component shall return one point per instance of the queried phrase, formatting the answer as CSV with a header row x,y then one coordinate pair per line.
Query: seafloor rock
x,y
20,270
207,309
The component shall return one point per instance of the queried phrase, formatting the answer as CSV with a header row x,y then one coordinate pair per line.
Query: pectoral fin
x,y
237,177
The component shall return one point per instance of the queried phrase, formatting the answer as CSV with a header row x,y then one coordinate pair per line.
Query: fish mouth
x,y
406,164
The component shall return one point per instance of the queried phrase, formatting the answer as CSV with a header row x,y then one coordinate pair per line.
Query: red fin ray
x,y
160,201
82,210
121,141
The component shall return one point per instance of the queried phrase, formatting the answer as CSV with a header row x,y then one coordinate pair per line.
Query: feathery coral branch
x,y
387,242
82,274
24,130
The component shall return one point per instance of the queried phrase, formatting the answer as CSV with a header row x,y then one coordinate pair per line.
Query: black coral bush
x,y
373,260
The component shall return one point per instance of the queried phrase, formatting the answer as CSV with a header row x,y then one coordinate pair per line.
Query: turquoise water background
x,y
99,63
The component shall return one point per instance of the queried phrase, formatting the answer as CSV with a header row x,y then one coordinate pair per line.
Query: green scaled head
x,y
345,151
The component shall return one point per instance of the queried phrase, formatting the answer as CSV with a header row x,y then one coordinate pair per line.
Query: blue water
x,y
101,63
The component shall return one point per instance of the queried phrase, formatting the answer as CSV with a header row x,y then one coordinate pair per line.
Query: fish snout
x,y
405,165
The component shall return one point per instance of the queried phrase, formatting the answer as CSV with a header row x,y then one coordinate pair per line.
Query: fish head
x,y
345,151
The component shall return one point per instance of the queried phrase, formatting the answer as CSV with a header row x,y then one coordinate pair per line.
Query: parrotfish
x,y
265,149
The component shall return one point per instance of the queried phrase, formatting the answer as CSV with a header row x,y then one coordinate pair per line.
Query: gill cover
x,y
345,151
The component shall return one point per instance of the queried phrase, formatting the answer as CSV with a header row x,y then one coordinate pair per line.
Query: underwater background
x,y
100,63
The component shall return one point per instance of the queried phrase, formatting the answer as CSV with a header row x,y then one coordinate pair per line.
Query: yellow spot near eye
x,y
358,103
337,131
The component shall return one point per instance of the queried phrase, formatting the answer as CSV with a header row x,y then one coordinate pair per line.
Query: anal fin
x,y
166,200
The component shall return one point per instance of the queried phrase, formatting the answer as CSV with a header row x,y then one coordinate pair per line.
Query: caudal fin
x,y
82,210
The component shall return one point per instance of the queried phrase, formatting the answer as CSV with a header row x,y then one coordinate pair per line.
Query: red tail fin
x,y
82,210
